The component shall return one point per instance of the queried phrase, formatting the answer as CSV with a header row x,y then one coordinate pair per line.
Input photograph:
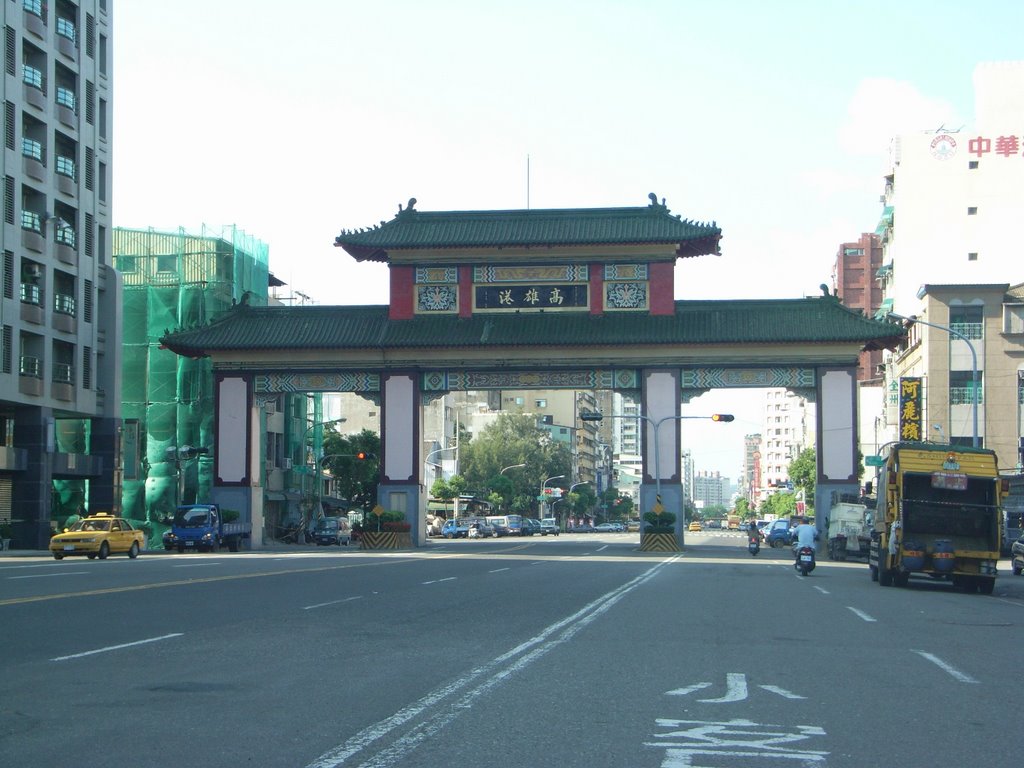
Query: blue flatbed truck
x,y
201,527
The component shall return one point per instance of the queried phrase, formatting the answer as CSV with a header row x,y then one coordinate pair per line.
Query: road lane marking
x,y
499,570
735,689
823,591
688,689
332,602
945,667
482,679
860,613
117,647
204,580
781,691
438,581
44,575
195,565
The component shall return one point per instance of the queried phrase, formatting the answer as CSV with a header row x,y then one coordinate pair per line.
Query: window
x,y
102,182
128,264
540,403
66,97
972,165
32,76
32,148
103,54
1013,318
65,167
961,387
972,210
972,256
102,119
166,263
853,251
66,28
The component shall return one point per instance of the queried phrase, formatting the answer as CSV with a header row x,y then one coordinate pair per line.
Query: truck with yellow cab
x,y
938,514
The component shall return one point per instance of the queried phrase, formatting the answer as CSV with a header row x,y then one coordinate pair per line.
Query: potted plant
x,y
386,530
659,533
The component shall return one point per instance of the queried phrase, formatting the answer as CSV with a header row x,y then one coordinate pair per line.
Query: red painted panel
x,y
663,296
597,289
465,291
403,292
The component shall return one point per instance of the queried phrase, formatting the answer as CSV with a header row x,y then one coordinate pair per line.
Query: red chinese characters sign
x,y
911,413
944,146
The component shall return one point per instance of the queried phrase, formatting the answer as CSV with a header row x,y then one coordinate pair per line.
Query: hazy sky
x,y
771,118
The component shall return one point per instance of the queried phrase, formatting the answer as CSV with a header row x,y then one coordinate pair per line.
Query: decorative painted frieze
x,y
436,298
317,382
621,272
554,273
443,275
704,378
626,296
626,378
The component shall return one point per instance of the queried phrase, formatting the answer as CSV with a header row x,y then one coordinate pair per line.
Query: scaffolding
x,y
175,280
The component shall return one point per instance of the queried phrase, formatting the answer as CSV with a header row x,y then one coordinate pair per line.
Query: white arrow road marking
x,y
781,691
735,690
688,689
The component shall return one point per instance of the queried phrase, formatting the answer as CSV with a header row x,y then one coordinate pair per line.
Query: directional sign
x,y
736,689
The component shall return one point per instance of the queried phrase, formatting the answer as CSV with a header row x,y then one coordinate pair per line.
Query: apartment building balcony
x,y
67,106
67,38
32,304
30,375
34,86
33,161
35,17
65,242
32,231
13,459
62,384
66,175
64,318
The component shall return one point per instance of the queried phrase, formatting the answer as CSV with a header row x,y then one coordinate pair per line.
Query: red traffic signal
x,y
722,417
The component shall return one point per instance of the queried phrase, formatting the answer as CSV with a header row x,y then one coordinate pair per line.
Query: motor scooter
x,y
805,561
754,545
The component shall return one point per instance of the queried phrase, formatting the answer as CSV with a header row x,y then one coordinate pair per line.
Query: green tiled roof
x,y
762,321
413,229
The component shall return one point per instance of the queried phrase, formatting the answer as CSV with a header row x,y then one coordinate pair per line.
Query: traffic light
x,y
362,455
722,417
591,416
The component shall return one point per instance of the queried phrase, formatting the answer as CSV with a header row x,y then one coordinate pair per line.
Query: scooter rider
x,y
754,534
804,535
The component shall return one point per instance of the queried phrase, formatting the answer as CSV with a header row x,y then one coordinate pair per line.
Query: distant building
x,y
711,489
856,284
789,423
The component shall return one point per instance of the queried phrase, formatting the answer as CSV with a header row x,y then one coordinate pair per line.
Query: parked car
x,y
605,528
581,528
98,535
633,526
549,525
332,530
1017,556
531,525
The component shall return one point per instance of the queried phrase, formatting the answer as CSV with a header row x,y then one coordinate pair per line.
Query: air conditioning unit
x,y
286,464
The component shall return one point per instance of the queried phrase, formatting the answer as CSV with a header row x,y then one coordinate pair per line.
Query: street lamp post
x,y
656,425
316,459
513,466
974,367
544,484
567,493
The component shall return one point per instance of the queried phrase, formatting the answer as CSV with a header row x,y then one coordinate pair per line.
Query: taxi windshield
x,y
91,525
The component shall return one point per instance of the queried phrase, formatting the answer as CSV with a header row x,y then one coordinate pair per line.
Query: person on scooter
x,y
754,534
804,535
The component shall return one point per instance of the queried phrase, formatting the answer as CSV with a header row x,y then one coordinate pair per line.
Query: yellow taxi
x,y
98,535
695,526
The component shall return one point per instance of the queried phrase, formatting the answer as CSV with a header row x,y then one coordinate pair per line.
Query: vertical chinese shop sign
x,y
911,414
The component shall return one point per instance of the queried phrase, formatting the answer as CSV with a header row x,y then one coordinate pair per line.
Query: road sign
x,y
873,461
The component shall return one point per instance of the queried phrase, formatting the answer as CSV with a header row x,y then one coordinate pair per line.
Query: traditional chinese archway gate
x,y
571,298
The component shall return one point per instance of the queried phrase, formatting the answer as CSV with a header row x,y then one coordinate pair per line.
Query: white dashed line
x,y
332,602
117,647
947,668
860,613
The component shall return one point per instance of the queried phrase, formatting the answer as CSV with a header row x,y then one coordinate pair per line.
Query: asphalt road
x,y
569,651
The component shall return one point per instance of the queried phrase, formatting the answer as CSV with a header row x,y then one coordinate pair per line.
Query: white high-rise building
x,y
789,423
60,370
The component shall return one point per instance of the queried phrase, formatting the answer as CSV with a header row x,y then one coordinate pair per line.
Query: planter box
x,y
659,542
385,540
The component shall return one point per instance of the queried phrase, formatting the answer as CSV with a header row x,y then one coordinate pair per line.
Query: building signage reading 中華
x,y
911,414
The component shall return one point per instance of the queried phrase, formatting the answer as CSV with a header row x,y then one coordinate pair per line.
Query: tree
x,y
779,504
441,490
743,509
356,479
803,471
514,439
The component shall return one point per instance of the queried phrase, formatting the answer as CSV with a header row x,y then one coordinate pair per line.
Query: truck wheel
x,y
58,555
181,548
986,585
884,573
134,551
104,551
777,544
